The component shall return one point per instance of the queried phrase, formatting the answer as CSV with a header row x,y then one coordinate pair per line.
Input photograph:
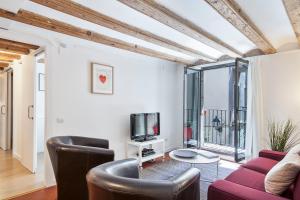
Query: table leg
x,y
217,170
140,156
163,150
210,181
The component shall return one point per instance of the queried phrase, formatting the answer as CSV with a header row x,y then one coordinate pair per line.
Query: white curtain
x,y
255,115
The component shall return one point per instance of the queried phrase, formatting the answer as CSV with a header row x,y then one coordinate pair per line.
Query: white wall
x,y
281,88
141,84
139,87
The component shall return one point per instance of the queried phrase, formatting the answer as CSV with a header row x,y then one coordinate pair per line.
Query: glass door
x,y
215,109
240,108
191,108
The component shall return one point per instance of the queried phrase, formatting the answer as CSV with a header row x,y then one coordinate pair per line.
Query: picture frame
x,y
41,83
102,79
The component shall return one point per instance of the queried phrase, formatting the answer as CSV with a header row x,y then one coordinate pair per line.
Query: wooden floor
x,y
50,192
15,179
43,194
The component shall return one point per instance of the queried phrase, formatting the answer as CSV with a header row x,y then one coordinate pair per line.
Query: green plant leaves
x,y
282,135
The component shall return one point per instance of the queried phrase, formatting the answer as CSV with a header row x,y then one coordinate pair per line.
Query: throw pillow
x,y
284,173
295,149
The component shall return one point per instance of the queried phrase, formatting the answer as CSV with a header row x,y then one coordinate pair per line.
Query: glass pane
x,y
191,108
216,115
241,108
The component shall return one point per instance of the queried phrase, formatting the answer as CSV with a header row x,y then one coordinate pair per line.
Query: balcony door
x,y
191,118
240,108
215,108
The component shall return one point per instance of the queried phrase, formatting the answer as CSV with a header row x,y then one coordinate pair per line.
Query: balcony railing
x,y
218,126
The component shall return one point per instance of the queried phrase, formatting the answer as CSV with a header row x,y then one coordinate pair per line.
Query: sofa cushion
x,y
248,178
274,155
284,173
296,190
262,165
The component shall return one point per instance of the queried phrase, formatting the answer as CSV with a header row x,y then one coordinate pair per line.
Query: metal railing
x,y
218,126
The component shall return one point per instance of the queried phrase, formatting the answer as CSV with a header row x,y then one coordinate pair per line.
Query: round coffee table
x,y
198,159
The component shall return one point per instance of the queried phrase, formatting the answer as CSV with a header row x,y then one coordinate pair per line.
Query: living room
x,y
177,62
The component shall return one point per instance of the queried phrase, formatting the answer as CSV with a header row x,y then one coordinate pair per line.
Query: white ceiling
x,y
203,15
270,18
11,5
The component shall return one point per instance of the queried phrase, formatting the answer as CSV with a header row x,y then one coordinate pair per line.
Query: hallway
x,y
15,179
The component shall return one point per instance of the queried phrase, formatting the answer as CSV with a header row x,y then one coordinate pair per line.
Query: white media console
x,y
137,152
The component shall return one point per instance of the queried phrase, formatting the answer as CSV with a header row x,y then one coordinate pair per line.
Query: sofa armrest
x,y
226,190
274,155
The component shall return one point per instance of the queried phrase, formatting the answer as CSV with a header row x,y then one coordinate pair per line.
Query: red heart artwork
x,y
102,78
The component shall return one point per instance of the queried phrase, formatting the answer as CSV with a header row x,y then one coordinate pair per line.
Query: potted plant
x,y
282,135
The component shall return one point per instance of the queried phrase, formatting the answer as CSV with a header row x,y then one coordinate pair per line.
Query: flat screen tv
x,y
144,125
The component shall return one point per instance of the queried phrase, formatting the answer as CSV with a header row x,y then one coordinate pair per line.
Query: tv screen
x,y
138,125
144,124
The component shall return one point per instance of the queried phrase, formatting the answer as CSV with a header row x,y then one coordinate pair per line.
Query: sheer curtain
x,y
255,115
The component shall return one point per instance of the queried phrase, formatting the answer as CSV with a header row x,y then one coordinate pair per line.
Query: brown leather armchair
x,y
72,157
119,180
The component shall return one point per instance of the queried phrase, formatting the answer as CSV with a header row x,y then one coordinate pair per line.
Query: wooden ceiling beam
x,y
293,10
231,12
40,21
165,16
77,10
3,65
6,60
13,49
18,44
9,56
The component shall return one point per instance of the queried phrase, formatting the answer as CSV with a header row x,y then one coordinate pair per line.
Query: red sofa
x,y
247,183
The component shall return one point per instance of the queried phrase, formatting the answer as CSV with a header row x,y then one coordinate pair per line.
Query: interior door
x,y
4,143
29,155
191,108
240,107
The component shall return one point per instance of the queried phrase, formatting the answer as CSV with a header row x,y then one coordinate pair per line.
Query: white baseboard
x,y
17,156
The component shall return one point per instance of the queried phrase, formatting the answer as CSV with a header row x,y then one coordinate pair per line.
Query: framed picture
x,y
102,79
41,82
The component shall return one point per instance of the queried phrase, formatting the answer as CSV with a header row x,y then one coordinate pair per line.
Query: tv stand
x,y
159,152
144,139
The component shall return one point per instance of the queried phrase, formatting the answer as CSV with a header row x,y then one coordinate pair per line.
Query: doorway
x,y
215,107
6,110
22,121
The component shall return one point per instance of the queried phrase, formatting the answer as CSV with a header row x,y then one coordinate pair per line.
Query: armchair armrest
x,y
225,190
274,155
189,179
121,179
91,142
86,152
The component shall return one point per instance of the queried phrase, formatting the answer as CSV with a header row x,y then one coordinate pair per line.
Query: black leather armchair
x,y
72,157
119,180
